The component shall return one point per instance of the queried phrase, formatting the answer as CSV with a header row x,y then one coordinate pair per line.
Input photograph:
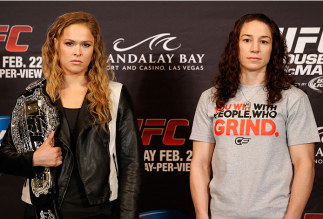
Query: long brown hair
x,y
278,77
99,92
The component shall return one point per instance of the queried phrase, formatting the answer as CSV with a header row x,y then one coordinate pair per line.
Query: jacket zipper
x,y
115,163
69,178
77,162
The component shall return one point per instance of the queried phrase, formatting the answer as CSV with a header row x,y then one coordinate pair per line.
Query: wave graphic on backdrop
x,y
4,122
320,129
163,214
152,39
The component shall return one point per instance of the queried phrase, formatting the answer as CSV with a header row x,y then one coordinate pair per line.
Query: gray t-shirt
x,y
251,164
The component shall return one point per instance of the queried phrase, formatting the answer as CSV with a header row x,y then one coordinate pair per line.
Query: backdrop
x,y
166,53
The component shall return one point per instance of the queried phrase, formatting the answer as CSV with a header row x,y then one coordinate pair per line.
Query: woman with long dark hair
x,y
96,148
249,128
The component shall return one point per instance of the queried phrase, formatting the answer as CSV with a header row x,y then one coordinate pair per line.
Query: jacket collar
x,y
84,120
64,131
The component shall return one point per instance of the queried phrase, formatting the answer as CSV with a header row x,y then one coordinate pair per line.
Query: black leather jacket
x,y
93,157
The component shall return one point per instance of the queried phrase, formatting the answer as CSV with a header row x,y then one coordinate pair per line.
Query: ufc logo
x,y
13,36
157,127
313,216
306,35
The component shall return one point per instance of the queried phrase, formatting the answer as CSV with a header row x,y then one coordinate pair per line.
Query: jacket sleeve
x,y
130,157
12,162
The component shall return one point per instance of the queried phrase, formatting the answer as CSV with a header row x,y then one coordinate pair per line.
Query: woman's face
x,y
76,46
255,46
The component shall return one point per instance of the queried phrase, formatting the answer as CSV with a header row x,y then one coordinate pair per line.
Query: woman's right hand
x,y
47,155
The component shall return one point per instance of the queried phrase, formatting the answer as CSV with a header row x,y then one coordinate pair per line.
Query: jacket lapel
x,y
64,131
84,118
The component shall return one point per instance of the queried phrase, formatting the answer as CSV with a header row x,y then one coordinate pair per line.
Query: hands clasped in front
x,y
47,155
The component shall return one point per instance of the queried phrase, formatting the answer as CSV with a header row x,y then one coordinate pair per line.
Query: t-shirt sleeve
x,y
301,125
202,124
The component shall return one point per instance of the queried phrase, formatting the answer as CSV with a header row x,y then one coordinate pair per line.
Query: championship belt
x,y
33,119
